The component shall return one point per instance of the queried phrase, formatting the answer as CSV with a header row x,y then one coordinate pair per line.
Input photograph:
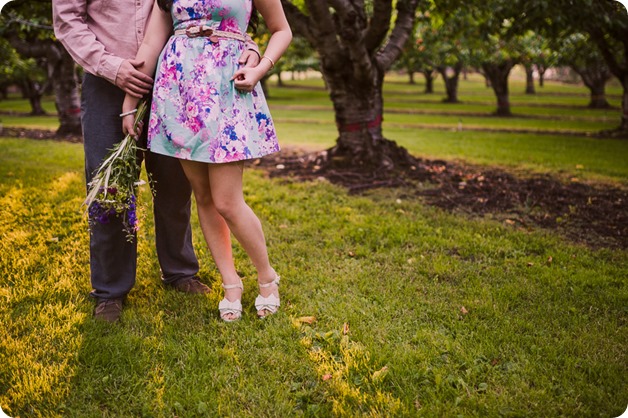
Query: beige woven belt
x,y
207,32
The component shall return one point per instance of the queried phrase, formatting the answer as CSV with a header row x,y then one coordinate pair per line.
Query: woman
x,y
213,116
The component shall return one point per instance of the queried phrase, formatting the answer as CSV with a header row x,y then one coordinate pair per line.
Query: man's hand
x,y
249,58
131,80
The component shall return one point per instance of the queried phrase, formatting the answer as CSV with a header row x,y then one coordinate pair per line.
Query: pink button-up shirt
x,y
100,34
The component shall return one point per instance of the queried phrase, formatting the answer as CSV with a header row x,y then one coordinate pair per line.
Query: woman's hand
x,y
246,78
127,126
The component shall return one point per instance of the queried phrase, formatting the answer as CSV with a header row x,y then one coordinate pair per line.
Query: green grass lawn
x,y
389,307
418,312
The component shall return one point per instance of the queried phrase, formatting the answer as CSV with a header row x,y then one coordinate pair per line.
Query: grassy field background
x,y
389,307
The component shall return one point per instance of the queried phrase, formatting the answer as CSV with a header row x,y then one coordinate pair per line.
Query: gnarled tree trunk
x,y
355,50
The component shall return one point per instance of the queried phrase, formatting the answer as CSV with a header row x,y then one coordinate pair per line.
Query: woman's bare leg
x,y
215,229
226,190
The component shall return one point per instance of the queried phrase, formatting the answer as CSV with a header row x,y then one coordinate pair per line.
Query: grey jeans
x,y
113,260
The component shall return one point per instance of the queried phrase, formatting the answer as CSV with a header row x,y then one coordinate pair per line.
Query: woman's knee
x,y
203,197
228,207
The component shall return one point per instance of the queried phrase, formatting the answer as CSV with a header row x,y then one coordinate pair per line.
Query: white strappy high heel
x,y
227,307
270,303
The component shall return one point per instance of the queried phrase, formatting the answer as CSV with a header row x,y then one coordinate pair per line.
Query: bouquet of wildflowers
x,y
112,191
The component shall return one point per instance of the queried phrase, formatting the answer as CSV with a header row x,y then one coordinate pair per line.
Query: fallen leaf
x,y
280,166
463,310
307,319
510,221
530,263
380,374
550,259
579,166
326,377
345,328
351,254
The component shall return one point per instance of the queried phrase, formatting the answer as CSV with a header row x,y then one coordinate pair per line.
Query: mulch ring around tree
x,y
595,215
38,134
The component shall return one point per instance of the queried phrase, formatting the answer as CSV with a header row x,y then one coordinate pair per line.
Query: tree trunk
x,y
451,83
529,79
429,81
279,80
65,85
541,70
358,107
498,74
33,92
595,78
411,77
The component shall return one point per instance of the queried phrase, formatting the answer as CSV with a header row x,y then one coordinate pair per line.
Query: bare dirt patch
x,y
593,214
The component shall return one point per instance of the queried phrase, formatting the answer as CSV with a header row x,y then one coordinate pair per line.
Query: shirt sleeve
x,y
72,30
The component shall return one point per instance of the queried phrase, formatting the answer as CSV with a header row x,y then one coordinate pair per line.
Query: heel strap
x,y
233,286
265,285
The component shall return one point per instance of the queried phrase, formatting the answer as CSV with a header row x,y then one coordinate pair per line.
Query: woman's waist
x,y
208,29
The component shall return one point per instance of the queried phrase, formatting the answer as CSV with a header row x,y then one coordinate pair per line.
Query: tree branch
x,y
299,22
403,25
379,24
605,49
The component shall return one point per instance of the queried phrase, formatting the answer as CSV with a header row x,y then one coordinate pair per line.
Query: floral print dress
x,y
197,113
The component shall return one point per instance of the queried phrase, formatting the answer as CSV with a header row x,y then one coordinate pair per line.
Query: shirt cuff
x,y
109,67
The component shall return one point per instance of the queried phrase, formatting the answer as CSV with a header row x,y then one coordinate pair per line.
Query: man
x,y
103,37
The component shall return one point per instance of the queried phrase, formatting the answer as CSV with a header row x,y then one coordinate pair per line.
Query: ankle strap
x,y
233,286
265,285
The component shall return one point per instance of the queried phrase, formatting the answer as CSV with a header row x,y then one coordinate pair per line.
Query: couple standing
x,y
208,115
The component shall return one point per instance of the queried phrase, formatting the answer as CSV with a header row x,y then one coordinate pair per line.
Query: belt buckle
x,y
196,31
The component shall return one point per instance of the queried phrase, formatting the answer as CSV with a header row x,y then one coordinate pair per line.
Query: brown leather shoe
x,y
108,310
190,285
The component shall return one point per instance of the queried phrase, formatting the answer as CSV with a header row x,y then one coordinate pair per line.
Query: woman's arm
x,y
158,31
272,12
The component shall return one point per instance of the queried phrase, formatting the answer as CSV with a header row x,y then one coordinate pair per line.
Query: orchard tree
x,y
418,55
357,42
605,21
533,45
450,32
578,52
27,27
